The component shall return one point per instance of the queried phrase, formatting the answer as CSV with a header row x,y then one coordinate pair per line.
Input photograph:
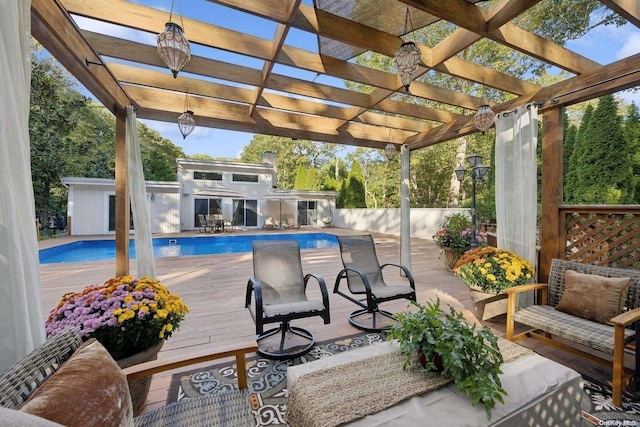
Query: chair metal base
x,y
371,321
281,351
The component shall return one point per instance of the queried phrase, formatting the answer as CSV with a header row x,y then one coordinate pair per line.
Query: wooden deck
x,y
214,288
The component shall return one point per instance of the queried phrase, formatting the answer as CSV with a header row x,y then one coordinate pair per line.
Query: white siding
x,y
88,209
164,210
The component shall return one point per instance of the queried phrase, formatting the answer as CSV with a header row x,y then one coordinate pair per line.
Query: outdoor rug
x,y
268,381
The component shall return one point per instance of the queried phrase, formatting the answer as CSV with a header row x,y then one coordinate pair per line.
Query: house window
x,y
206,207
245,212
241,177
307,212
209,176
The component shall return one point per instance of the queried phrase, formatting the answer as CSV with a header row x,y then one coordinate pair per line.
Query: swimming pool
x,y
98,250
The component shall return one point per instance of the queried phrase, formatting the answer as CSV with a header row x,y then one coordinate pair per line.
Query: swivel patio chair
x,y
280,297
365,279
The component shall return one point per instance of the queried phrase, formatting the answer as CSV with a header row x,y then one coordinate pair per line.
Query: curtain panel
x,y
516,180
138,196
21,313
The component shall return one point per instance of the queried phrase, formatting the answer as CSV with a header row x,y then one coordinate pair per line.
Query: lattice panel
x,y
607,239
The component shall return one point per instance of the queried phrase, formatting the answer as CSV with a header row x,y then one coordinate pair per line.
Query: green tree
x,y
572,190
201,157
570,132
292,155
301,179
632,134
352,192
605,172
93,144
53,114
158,155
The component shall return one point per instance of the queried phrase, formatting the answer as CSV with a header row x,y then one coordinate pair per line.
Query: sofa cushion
x,y
89,389
593,297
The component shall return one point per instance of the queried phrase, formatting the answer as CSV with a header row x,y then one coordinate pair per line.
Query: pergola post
x,y
405,208
122,196
551,228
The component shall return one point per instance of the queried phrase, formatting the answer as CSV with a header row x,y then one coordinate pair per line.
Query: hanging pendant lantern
x,y
186,122
407,57
484,118
390,151
173,46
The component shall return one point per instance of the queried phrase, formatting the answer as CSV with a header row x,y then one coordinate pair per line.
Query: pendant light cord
x,y
407,20
187,104
179,12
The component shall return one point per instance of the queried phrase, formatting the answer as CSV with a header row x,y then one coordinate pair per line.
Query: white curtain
x,y
138,195
516,183
21,316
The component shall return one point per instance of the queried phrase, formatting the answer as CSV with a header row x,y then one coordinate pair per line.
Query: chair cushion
x,y
273,310
89,389
593,297
573,328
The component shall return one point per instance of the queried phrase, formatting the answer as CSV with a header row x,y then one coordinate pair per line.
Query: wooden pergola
x,y
229,95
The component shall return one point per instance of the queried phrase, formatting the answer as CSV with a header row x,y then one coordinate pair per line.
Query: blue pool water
x,y
98,250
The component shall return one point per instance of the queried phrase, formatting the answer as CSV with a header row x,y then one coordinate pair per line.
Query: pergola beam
x,y
56,31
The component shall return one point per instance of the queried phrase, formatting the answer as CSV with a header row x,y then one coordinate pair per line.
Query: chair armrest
x,y
343,275
405,270
323,291
321,284
157,366
512,294
524,288
627,318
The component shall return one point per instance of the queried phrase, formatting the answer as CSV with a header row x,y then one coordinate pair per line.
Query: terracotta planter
x,y
449,256
139,388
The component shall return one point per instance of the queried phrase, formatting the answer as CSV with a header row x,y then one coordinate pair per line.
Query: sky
x,y
604,44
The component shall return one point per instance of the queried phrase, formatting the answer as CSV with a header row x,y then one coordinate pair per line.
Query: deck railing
x,y
602,235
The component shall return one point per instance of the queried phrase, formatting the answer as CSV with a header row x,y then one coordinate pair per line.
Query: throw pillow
x,y
593,297
89,389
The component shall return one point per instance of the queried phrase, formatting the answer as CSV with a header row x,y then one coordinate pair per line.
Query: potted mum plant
x,y
434,340
130,317
454,238
488,271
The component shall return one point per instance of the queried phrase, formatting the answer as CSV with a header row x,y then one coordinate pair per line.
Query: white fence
x,y
424,221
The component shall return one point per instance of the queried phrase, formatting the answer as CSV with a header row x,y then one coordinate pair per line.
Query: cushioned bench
x,y
581,318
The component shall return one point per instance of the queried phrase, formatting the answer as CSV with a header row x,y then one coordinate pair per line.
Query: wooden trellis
x,y
603,235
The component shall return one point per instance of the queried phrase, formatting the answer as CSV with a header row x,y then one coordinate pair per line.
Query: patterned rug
x,y
268,379
599,410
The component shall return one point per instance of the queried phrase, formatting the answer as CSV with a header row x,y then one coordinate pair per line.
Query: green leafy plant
x,y
470,355
492,270
455,233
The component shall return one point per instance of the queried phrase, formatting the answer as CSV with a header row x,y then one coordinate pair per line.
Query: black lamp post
x,y
479,172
